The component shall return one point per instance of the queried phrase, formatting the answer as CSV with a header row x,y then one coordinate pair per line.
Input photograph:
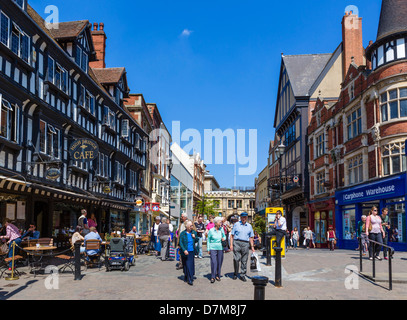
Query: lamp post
x,y
170,165
280,152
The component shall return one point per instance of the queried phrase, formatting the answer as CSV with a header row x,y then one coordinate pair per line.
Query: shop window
x,y
397,220
349,223
393,158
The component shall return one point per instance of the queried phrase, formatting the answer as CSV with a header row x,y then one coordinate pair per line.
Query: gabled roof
x,y
109,75
69,30
303,70
393,18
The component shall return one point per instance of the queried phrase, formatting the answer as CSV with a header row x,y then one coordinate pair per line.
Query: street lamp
x,y
280,152
170,165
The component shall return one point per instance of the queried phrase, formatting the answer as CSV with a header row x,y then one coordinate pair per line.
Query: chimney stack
x,y
99,41
352,40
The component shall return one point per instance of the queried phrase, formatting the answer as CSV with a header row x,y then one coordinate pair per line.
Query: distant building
x,y
232,202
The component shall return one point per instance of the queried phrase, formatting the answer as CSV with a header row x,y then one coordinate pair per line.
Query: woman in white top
x,y
78,237
295,237
375,232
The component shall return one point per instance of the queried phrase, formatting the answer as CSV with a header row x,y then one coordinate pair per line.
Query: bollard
x,y
13,276
78,261
278,267
268,249
260,284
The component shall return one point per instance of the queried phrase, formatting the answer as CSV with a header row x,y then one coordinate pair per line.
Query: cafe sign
x,y
53,173
84,150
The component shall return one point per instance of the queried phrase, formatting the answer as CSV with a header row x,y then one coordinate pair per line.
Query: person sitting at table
x,y
134,231
78,237
13,235
92,235
31,233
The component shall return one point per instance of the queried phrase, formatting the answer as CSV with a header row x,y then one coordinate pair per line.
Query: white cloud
x,y
186,33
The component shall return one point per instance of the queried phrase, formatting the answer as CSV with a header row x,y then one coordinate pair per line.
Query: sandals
x,y
212,280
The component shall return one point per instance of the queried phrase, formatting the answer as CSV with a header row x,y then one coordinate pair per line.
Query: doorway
x,y
41,218
320,228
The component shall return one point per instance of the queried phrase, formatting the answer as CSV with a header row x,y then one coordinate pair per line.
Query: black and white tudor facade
x,y
50,97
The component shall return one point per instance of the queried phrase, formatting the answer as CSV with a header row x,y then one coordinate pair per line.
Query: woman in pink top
x,y
210,225
13,235
375,232
92,221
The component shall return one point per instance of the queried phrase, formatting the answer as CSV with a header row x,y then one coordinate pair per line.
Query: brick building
x,y
360,160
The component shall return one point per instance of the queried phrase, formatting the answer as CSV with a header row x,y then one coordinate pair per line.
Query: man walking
x,y
241,240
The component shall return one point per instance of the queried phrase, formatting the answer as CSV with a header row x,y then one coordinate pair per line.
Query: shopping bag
x,y
254,263
171,253
177,255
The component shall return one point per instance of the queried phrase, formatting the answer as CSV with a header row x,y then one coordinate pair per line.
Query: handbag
x,y
4,248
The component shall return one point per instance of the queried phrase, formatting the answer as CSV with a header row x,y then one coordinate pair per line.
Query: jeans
x,y
10,249
295,242
375,248
385,242
198,247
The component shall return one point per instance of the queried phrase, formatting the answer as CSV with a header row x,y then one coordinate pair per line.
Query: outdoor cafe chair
x,y
93,244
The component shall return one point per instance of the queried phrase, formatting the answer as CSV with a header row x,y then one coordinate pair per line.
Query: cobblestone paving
x,y
306,275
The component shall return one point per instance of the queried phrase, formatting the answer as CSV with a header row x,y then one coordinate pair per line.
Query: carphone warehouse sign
x,y
385,189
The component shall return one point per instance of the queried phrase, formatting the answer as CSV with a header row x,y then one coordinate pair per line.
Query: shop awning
x,y
10,183
60,194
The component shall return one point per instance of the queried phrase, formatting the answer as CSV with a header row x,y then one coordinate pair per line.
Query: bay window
x,y
393,158
393,104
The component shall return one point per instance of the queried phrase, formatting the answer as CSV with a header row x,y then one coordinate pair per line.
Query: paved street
x,y
307,275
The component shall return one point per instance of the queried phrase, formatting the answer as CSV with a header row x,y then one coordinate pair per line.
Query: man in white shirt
x,y
280,228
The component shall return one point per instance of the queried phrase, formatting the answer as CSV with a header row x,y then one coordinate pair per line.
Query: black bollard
x,y
78,260
260,284
268,250
278,267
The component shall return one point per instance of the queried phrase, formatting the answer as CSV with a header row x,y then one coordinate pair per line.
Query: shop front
x,y
322,215
354,202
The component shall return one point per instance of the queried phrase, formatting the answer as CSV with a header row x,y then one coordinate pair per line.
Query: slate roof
x,y
393,18
303,70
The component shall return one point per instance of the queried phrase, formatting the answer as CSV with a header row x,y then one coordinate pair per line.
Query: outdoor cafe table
x,y
31,251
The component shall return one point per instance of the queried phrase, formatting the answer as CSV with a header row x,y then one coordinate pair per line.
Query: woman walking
x,y
331,236
295,236
215,249
375,232
187,240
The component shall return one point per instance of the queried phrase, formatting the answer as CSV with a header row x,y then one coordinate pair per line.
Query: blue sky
x,y
214,64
